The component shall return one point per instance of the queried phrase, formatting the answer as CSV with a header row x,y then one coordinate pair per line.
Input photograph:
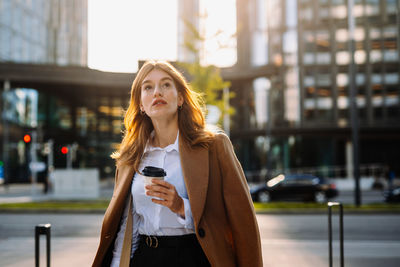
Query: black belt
x,y
168,241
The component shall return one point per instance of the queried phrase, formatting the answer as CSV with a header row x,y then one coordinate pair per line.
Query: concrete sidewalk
x,y
65,251
287,240
20,193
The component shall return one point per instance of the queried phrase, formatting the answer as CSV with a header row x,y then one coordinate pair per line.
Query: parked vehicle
x,y
392,195
305,187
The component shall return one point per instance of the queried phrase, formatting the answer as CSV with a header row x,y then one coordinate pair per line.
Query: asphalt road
x,y
367,197
287,240
302,240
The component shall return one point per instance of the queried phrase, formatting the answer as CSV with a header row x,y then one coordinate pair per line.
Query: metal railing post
x,y
330,205
42,229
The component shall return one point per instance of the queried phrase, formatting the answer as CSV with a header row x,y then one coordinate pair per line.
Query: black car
x,y
392,195
305,187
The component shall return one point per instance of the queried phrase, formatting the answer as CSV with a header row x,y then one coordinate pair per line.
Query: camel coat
x,y
223,214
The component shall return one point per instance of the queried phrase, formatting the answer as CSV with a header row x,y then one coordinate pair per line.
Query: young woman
x,y
201,214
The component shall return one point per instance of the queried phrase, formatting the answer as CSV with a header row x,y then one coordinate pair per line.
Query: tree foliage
x,y
206,80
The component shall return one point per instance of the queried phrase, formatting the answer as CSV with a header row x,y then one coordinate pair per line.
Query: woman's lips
x,y
159,102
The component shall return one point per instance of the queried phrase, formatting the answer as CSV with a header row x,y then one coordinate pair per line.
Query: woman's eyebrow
x,y
162,79
146,81
166,78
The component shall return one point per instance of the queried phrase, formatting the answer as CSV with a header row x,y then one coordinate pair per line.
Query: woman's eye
x,y
166,85
147,87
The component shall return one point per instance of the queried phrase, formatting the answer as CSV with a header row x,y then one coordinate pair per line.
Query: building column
x,y
349,160
5,132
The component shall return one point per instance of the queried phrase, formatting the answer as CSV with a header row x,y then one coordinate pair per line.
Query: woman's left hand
x,y
168,195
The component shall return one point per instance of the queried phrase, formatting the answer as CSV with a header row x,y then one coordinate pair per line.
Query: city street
x,y
287,240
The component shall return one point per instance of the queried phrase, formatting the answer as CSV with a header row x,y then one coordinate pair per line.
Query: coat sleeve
x,y
239,206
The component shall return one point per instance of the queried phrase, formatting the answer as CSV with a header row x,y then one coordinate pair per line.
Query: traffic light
x,y
27,138
64,150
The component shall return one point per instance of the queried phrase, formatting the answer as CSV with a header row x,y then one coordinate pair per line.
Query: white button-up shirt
x,y
150,218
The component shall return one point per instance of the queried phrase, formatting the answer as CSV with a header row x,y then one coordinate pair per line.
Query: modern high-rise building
x,y
292,84
47,88
41,31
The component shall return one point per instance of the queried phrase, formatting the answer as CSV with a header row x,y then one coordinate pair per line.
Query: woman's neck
x,y
164,133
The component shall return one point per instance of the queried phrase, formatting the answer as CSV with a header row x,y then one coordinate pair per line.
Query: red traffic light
x,y
64,150
27,138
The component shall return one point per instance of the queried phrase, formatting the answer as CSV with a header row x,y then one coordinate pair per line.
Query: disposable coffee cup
x,y
150,172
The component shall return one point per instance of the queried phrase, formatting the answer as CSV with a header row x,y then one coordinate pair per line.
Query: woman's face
x,y
159,96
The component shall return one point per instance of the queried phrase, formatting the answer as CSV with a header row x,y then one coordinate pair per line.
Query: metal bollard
x,y
330,205
42,229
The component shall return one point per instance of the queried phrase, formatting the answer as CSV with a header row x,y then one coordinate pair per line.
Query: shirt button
x,y
201,232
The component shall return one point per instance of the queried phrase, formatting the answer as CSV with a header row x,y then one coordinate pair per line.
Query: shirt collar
x,y
169,148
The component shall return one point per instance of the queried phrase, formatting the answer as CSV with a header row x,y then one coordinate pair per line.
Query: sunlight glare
x,y
121,32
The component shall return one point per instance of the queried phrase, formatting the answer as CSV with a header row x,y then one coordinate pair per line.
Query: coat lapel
x,y
194,163
123,184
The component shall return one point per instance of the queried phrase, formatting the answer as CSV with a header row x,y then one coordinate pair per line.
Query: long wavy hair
x,y
138,127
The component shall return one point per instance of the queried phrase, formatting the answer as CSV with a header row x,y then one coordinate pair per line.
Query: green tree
x,y
206,80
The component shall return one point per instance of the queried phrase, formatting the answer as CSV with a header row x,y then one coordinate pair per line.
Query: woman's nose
x,y
157,90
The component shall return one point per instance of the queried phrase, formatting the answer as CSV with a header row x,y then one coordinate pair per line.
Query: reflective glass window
x,y
323,58
358,10
341,35
391,6
342,58
275,13
391,78
372,7
7,8
21,106
390,55
259,49
290,41
292,105
308,81
261,88
323,80
375,56
339,12
360,56
308,58
323,12
342,79
374,33
291,13
306,14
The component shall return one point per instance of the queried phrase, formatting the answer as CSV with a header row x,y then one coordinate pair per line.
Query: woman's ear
x,y
180,99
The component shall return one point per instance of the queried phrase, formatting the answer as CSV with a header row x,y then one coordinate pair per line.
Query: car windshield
x,y
298,179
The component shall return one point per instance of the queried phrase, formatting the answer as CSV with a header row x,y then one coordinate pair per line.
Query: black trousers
x,y
167,251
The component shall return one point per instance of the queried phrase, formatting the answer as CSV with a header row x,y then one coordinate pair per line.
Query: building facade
x,y
46,89
40,31
293,107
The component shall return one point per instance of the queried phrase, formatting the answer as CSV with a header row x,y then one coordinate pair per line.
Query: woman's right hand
x,y
168,196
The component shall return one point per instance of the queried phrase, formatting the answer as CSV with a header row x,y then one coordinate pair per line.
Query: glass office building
x,y
298,114
48,33
41,31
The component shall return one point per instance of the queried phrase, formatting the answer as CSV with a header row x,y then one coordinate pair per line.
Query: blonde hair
x,y
138,127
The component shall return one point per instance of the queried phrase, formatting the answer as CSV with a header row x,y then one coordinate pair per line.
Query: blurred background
x,y
307,90
281,77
